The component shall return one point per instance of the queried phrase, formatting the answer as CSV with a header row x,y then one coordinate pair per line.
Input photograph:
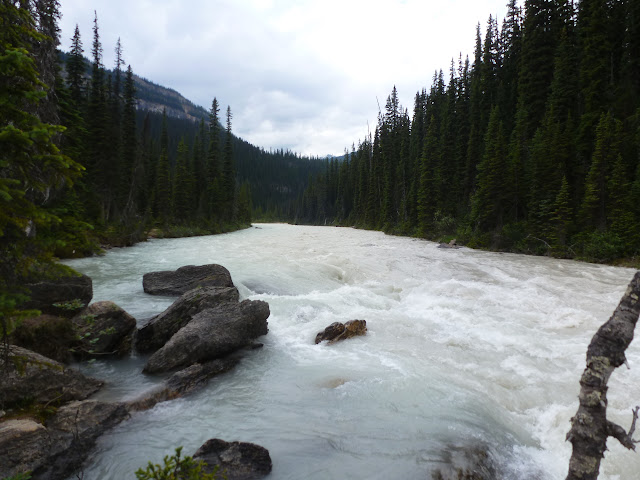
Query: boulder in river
x,y
340,331
28,377
104,329
212,333
236,460
180,281
162,327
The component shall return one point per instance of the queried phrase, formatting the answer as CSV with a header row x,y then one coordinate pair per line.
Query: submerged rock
x,y
29,378
451,244
183,383
212,333
470,462
236,460
340,331
180,281
162,327
104,329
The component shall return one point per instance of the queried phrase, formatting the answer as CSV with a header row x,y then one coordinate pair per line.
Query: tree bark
x,y
590,427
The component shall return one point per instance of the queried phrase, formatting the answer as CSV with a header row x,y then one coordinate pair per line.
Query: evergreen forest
x,y
533,145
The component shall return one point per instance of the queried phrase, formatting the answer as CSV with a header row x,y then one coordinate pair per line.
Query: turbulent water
x,y
466,350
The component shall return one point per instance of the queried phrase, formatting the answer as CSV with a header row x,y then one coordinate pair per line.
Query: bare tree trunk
x,y
590,427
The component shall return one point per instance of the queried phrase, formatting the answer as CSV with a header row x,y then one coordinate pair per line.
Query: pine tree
x,y
182,186
228,171
76,69
31,165
163,191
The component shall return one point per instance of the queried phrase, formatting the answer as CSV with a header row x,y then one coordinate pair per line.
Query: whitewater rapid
x,y
465,349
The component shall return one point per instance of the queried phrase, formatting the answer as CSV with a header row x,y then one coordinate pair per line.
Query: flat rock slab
x,y
56,450
212,333
161,328
180,281
236,460
183,382
30,377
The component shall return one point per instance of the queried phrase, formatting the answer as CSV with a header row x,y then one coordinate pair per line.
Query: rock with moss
x,y
103,328
237,460
62,293
161,328
212,333
180,281
29,378
49,335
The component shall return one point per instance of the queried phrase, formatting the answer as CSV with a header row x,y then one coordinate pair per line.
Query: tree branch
x,y
590,427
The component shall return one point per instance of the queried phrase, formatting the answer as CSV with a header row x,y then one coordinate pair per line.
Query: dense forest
x,y
85,160
531,146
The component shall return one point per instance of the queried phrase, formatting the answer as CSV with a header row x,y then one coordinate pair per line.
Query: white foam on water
x,y
464,348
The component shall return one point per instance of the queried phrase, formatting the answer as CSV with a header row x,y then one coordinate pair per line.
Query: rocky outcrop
x,y
51,336
162,327
31,378
237,460
104,329
183,383
63,296
212,333
340,331
180,281
55,450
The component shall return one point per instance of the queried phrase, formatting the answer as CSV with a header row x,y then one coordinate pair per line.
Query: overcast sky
x,y
298,74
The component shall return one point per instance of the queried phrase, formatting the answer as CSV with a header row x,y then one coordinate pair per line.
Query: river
x,y
466,350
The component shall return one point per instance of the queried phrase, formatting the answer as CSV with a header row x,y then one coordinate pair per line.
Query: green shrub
x,y
177,468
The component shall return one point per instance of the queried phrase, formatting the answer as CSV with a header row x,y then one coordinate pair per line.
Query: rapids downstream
x,y
465,350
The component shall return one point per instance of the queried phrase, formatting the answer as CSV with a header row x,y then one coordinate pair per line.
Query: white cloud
x,y
300,74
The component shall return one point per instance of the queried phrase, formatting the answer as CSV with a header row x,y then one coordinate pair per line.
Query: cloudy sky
x,y
298,74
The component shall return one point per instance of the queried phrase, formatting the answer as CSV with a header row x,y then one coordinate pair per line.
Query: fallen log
x,y
590,427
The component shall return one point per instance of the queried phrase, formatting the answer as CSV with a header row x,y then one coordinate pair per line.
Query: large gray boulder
x,y
174,283
236,460
55,450
31,378
63,295
162,327
104,329
212,333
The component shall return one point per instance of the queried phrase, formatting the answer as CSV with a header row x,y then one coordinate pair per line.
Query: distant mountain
x,y
154,98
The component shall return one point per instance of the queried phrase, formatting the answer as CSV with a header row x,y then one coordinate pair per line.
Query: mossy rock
x,y
48,335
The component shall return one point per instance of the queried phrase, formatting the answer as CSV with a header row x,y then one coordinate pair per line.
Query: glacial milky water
x,y
465,350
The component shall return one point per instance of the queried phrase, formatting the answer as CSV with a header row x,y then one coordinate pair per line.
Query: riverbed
x,y
466,351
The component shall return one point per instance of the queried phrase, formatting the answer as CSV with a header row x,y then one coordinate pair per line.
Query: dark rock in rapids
x,y
469,462
340,331
162,327
55,450
63,296
29,377
212,333
236,460
451,244
180,281
104,329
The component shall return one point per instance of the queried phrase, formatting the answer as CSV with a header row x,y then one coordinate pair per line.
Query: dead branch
x,y
590,427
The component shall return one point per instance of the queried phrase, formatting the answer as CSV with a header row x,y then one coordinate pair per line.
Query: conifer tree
x,y
163,191
76,69
228,170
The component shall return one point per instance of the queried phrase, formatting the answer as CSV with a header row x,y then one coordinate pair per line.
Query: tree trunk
x,y
590,427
